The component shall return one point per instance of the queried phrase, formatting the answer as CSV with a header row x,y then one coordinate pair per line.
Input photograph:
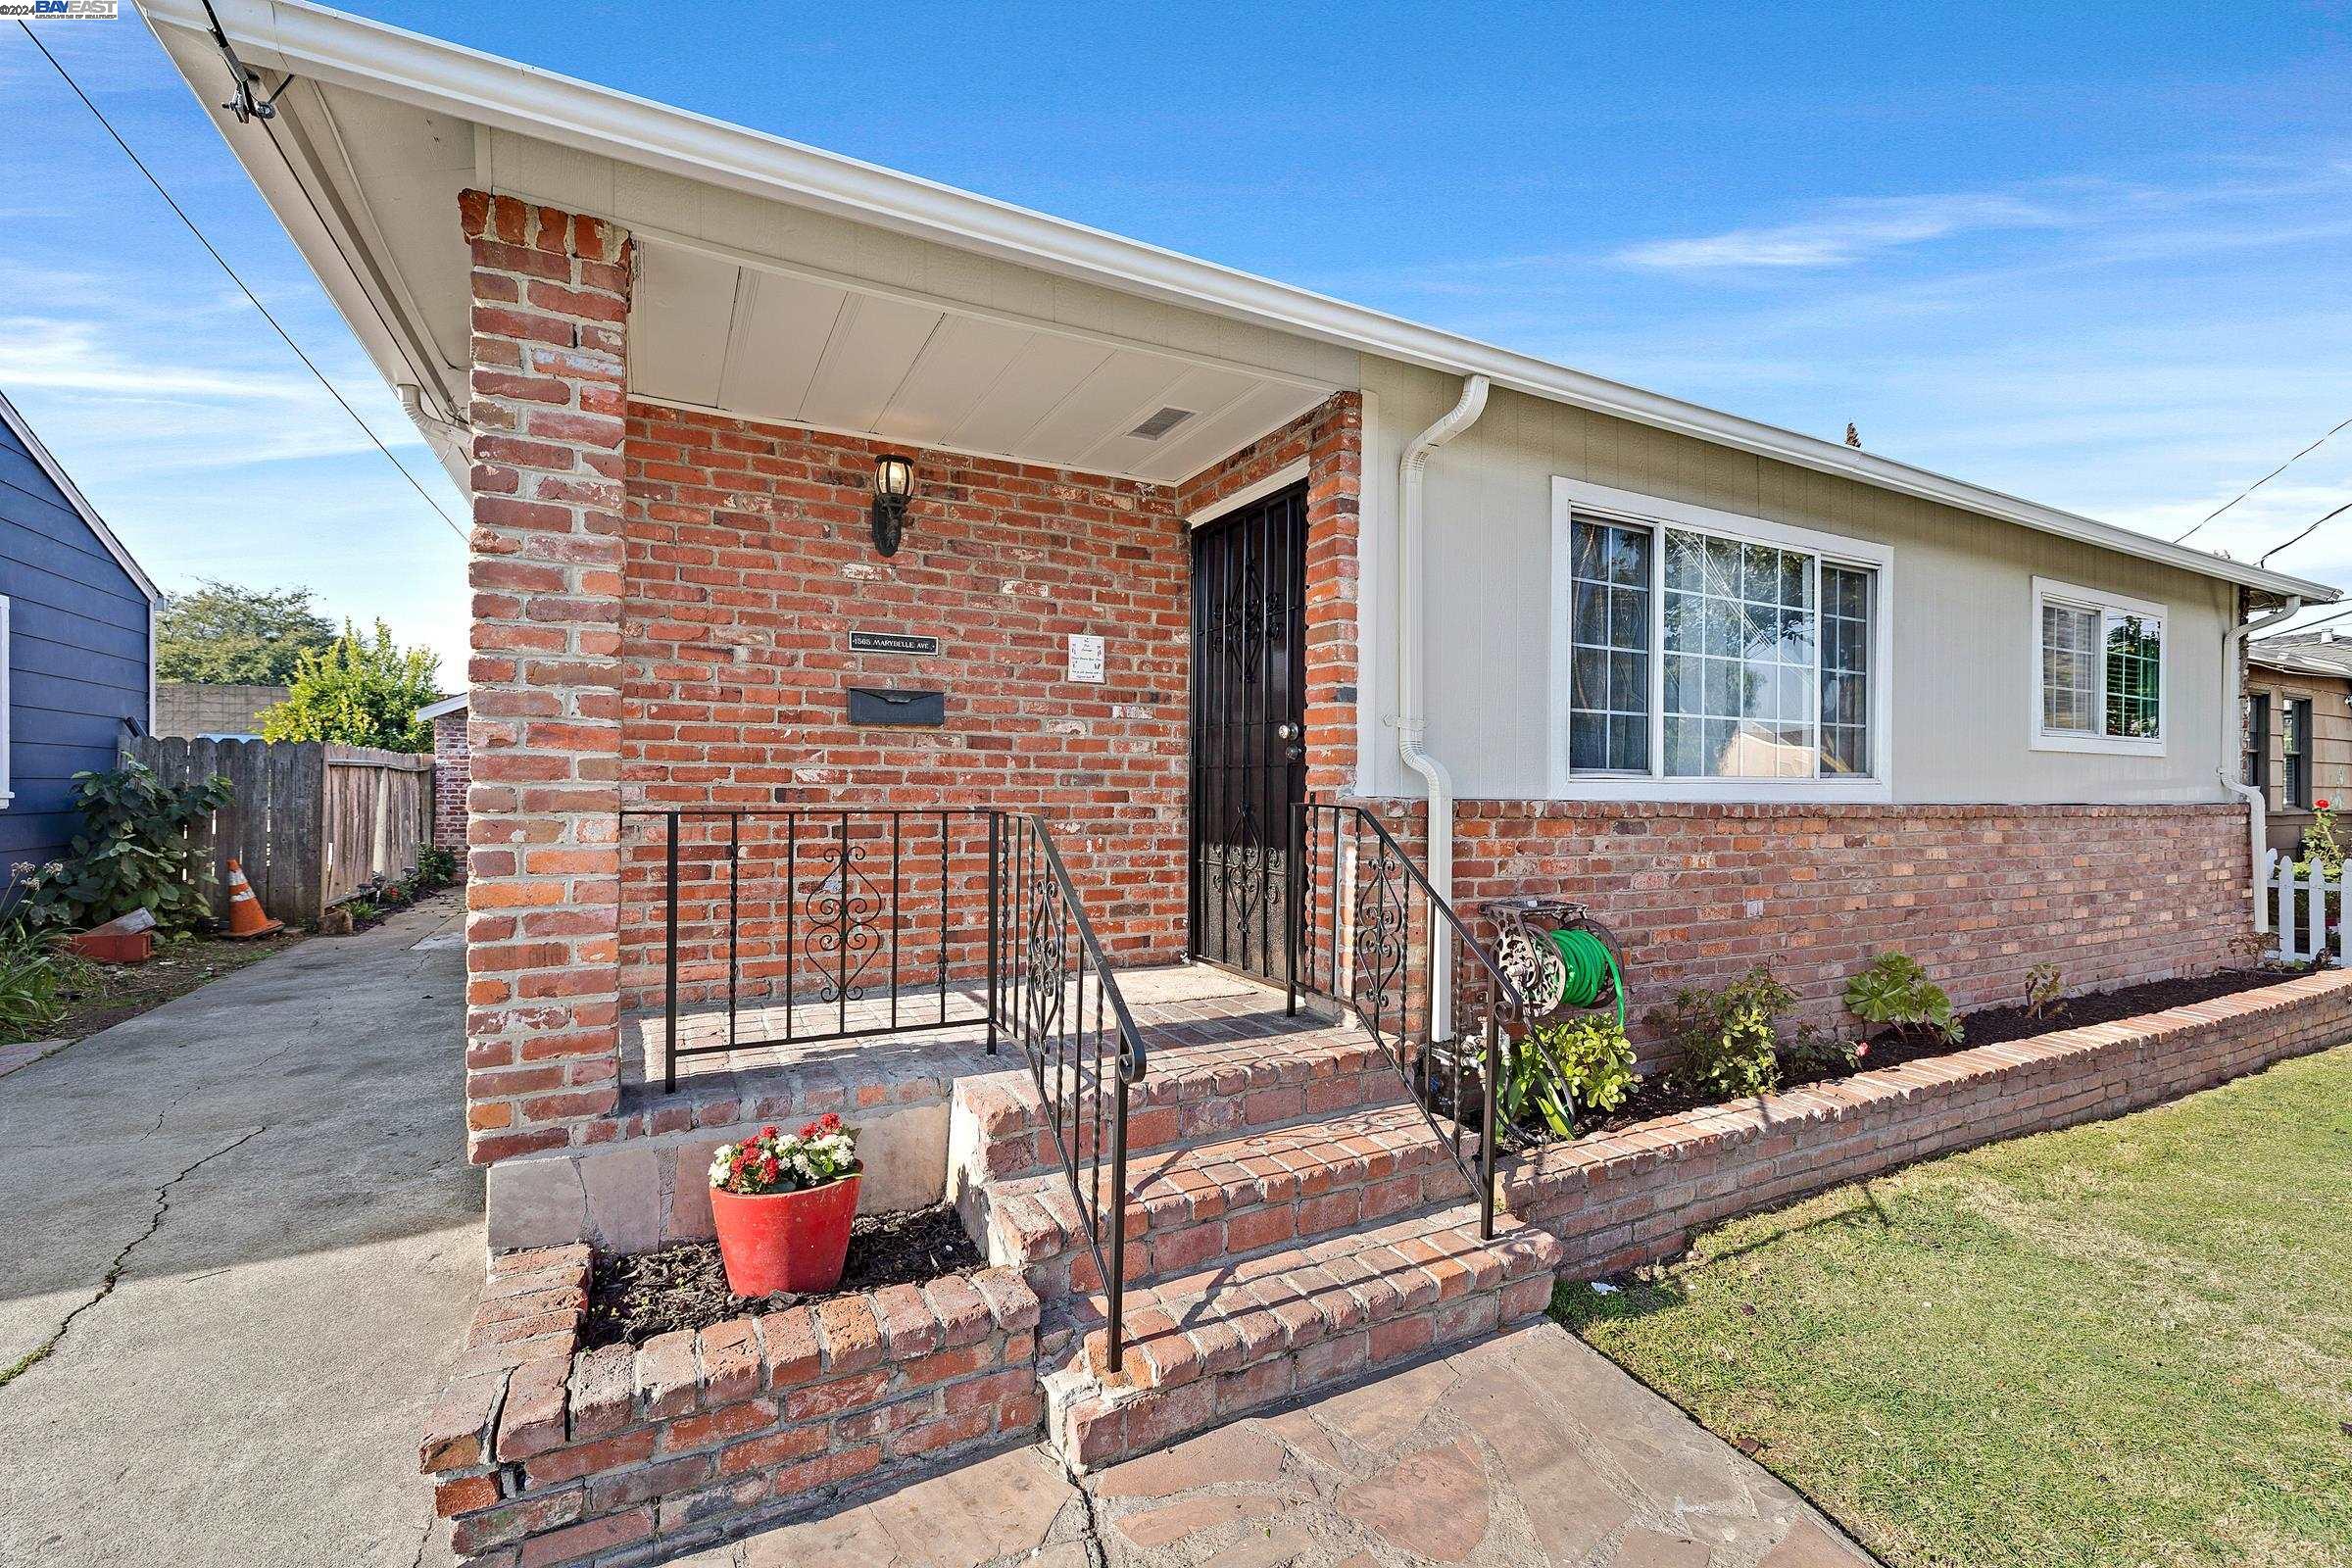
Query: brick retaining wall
x,y
2113,895
1635,1197
546,1454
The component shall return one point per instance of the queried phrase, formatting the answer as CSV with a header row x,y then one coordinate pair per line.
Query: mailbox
x,y
873,705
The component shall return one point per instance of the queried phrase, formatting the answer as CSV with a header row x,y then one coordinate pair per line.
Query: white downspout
x,y
1411,723
2257,809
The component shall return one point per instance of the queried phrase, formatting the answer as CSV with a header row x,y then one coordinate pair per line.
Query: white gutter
x,y
332,47
2257,809
1411,724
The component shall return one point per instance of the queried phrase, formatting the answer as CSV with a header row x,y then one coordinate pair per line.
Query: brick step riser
x,y
1239,1234
1089,1432
1029,1149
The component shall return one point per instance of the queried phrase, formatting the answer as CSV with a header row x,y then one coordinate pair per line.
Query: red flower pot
x,y
795,1242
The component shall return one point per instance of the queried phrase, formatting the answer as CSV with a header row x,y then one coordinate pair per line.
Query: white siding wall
x,y
1963,594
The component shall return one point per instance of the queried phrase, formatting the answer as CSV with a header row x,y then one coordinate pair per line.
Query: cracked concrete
x,y
1528,1450
238,1357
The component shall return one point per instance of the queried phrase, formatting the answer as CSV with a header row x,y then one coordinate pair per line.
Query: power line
x,y
2305,534
2265,479
249,294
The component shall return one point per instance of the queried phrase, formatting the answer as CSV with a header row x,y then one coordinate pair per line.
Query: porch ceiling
x,y
762,339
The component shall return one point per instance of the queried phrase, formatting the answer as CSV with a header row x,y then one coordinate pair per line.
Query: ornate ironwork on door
x,y
1249,723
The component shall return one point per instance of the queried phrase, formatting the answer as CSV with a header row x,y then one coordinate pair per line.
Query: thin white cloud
x,y
1843,231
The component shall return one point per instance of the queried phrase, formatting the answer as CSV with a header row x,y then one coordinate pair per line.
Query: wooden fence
x,y
312,822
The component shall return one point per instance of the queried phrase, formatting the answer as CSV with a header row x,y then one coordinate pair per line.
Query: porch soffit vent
x,y
1162,423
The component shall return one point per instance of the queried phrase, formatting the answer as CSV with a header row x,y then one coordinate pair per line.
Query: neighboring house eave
x,y
447,705
330,47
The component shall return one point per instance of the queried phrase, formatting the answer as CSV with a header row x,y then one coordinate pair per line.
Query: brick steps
x,y
1207,1345
1255,1072
1229,1198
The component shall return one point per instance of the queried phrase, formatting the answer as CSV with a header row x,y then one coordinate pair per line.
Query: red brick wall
x,y
550,357
1977,894
749,564
1624,1198
453,775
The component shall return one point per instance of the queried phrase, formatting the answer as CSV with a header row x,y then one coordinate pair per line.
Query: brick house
x,y
1228,636
453,771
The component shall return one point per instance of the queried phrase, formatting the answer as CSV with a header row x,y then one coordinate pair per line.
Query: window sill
x,y
2101,744
1723,791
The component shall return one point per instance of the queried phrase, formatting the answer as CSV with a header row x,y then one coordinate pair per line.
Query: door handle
x,y
1286,732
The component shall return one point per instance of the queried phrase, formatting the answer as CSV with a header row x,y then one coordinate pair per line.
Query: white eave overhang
x,y
332,47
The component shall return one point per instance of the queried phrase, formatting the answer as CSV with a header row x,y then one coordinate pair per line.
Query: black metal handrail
x,y
1052,963
1370,964
829,939
836,926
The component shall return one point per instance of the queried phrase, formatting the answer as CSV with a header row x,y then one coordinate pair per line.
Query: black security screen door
x,y
1248,715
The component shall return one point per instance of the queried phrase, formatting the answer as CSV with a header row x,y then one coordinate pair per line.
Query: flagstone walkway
x,y
1532,1448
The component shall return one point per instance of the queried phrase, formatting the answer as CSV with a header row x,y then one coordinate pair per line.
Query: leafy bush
x,y
2045,991
1895,991
1811,1053
1582,1061
2319,841
1726,1041
39,977
435,869
131,853
358,690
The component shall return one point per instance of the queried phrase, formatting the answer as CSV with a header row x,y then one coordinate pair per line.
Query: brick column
x,y
1335,486
551,300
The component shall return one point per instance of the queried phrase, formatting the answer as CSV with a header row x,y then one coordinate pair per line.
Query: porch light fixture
x,y
894,487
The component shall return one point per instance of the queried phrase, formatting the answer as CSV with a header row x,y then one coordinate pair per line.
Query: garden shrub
x,y
1896,992
1815,1052
435,869
1560,1065
39,978
131,853
2045,991
1726,1040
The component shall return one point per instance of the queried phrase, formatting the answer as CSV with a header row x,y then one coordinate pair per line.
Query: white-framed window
x,y
1699,653
2099,672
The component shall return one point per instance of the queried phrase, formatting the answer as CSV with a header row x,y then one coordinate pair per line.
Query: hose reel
x,y
1558,956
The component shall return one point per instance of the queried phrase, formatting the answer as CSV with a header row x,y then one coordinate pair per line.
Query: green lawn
x,y
2121,1344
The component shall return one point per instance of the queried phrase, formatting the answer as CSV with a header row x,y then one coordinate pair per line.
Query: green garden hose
x,y
1587,962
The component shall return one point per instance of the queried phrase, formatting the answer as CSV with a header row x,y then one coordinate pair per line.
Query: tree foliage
x,y
220,633
358,690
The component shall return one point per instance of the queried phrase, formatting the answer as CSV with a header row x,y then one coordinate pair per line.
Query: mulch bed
x,y
1653,1097
631,1300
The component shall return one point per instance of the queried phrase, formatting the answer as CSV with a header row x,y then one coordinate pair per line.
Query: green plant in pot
x,y
782,1204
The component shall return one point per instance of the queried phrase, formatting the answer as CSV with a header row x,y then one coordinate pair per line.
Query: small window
x,y
2295,746
2258,743
2099,672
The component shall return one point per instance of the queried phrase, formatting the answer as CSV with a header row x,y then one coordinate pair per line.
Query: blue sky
x,y
2093,257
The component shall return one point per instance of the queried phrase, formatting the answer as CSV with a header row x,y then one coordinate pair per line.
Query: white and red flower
x,y
773,1162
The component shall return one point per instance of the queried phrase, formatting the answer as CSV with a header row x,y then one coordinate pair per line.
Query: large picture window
x,y
2099,668
1712,653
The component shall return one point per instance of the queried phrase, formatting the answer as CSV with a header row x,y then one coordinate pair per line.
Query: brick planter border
x,y
544,1453
1635,1197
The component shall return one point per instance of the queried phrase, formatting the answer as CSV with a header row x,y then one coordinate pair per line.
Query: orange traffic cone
x,y
245,917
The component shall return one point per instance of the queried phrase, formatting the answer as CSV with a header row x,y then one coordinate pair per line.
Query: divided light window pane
x,y
1608,705
2134,665
1742,660
2070,674
1845,669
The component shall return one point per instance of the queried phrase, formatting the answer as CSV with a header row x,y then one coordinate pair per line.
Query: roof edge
x,y
334,46
78,501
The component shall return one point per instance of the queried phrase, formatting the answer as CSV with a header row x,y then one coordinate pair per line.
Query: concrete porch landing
x,y
1531,1448
643,1187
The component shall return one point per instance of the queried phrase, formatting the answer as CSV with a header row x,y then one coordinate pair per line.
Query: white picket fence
x,y
2299,910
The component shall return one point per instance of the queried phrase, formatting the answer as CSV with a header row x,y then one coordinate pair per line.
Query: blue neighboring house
x,y
77,645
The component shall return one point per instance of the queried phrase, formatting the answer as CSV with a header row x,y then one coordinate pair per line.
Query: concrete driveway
x,y
244,1228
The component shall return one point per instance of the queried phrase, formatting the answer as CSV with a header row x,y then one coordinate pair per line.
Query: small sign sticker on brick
x,y
1086,657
